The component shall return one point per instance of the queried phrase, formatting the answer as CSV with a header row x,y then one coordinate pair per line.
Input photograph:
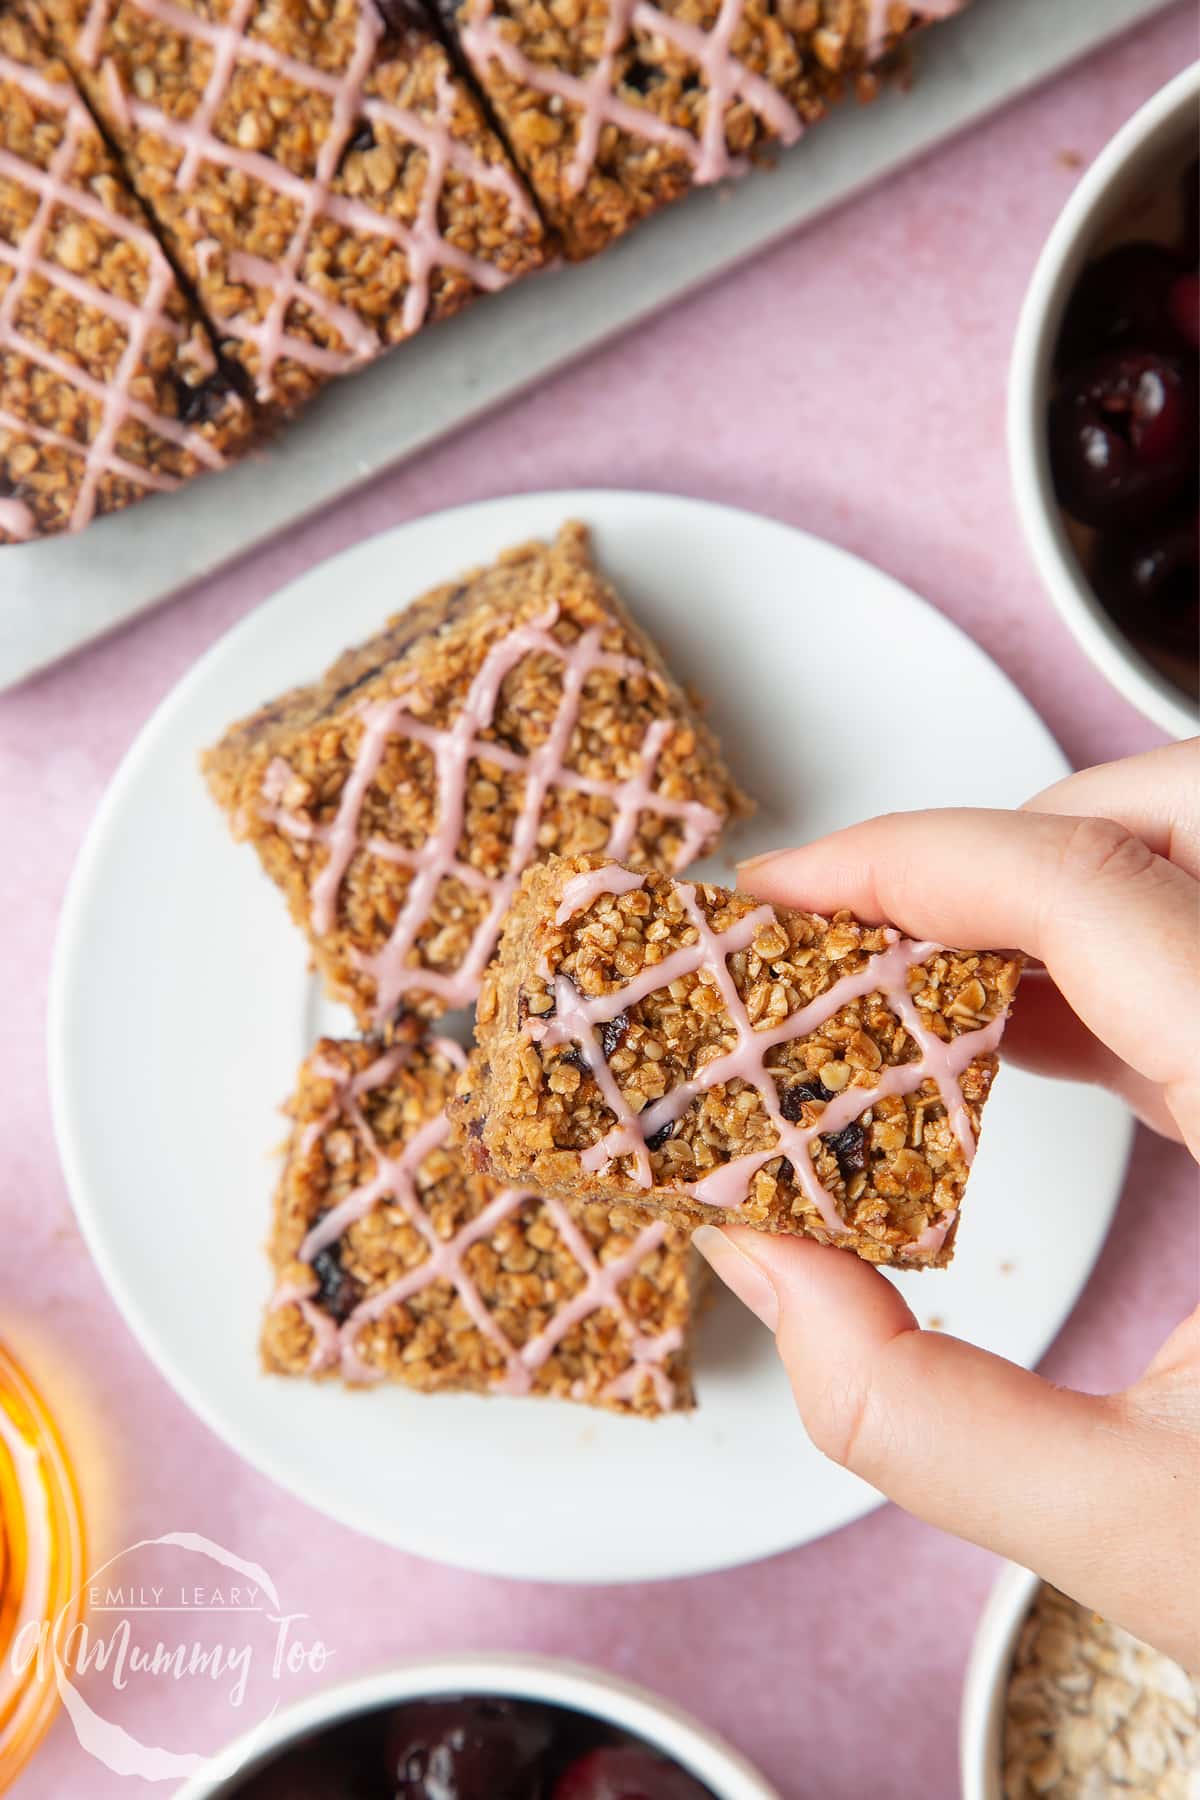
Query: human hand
x,y
1098,879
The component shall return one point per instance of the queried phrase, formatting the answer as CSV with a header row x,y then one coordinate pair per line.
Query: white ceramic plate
x,y
181,1007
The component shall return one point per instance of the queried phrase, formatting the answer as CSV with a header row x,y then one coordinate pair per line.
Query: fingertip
x,y
822,1293
773,875
820,877
747,865
801,1289
837,1316
741,1273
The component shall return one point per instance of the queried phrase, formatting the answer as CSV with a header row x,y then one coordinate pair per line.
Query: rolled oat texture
x,y
615,107
1091,1712
109,387
327,184
509,715
394,1262
714,1059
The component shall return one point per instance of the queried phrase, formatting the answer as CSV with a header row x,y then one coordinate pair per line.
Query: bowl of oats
x,y
1059,1702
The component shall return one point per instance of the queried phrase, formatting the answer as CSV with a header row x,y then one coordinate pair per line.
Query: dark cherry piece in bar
x,y
338,1293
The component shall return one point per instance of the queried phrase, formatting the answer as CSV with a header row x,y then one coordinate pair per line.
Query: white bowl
x,y
981,1722
1110,187
566,1684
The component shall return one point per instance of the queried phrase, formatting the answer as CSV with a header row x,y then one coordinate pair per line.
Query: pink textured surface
x,y
851,382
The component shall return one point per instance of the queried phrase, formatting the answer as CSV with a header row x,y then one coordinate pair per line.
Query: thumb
x,y
1062,1482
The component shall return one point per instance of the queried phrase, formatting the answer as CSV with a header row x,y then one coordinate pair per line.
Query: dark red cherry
x,y
470,1748
1189,247
1150,583
1183,303
850,1148
1121,298
1122,436
627,1772
310,1773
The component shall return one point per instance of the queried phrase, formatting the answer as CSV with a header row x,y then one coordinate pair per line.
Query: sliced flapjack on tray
x,y
323,177
614,108
109,386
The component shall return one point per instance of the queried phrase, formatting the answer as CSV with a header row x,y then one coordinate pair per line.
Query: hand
x,y
1098,879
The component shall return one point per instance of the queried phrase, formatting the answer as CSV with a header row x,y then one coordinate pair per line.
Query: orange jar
x,y
41,1564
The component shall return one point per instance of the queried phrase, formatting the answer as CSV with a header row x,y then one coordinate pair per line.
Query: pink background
x,y
852,382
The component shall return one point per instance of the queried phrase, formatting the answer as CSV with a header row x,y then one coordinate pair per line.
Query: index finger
x,y
1156,795
1114,923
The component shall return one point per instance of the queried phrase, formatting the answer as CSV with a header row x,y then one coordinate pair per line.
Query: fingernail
x,y
739,1274
747,864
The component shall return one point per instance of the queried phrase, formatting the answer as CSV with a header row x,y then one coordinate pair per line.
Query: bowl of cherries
x,y
1104,410
480,1728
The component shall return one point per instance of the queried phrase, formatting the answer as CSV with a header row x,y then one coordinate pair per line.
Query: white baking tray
x,y
60,593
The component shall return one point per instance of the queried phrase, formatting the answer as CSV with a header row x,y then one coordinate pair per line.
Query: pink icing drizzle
x,y
877,19
583,889
484,41
576,1017
114,96
396,1179
26,259
424,246
88,42
374,1075
453,751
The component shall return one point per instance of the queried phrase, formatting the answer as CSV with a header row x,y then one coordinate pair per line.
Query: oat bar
x,y
504,717
719,1060
613,107
393,1262
327,183
109,388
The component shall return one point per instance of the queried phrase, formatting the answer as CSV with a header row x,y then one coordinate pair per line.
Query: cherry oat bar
x,y
326,183
613,107
715,1059
109,388
504,717
393,1262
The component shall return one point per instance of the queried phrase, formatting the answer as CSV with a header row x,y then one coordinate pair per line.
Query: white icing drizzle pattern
x,y
54,190
577,1016
424,246
484,40
453,750
396,1179
878,12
